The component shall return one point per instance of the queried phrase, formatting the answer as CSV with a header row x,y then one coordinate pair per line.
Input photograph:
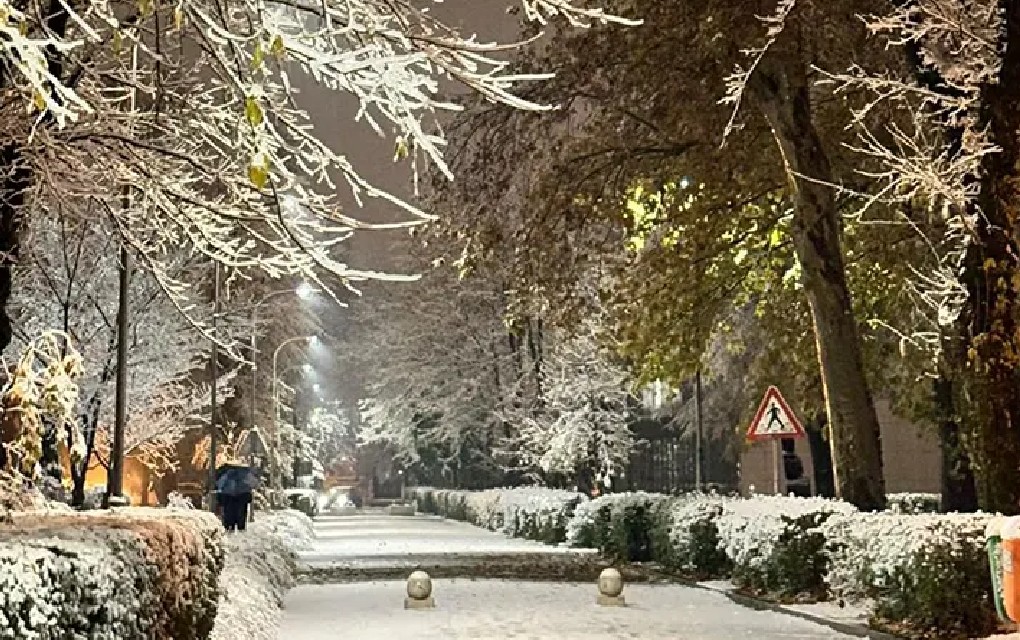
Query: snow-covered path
x,y
498,609
375,539
494,609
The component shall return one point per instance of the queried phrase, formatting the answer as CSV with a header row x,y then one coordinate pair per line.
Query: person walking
x,y
235,485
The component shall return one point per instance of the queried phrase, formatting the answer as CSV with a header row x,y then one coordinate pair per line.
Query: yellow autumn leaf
x,y
178,18
145,7
252,111
277,48
258,173
989,264
38,101
118,41
258,57
402,150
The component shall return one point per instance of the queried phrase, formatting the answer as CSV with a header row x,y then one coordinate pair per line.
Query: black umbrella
x,y
234,479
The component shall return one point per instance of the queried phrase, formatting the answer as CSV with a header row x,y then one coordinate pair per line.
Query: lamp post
x,y
115,484
310,340
213,375
303,291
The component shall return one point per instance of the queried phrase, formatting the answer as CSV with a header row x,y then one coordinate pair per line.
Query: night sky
x,y
333,114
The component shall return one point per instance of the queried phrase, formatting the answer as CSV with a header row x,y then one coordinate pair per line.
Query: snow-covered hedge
x,y
914,502
536,513
128,574
620,525
775,543
258,573
920,571
685,536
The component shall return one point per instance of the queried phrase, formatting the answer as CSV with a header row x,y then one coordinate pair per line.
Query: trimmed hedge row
x,y
534,513
921,574
128,574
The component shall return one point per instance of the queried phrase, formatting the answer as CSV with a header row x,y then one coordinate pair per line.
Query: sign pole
x,y
777,461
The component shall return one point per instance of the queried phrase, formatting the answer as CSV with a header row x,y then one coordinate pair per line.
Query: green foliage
x,y
685,538
796,565
943,591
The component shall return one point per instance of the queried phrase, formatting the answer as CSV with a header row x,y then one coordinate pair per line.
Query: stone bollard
x,y
419,591
611,589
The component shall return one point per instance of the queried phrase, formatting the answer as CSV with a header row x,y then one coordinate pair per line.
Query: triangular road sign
x,y
774,419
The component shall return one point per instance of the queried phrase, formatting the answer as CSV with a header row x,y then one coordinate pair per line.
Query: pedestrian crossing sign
x,y
774,419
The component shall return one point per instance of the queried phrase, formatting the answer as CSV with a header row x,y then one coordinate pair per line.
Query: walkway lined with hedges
x,y
373,538
486,609
907,569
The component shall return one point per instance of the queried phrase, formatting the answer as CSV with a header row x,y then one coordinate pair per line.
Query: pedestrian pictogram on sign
x,y
774,419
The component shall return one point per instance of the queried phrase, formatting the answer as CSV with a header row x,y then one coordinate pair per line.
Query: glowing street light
x,y
304,291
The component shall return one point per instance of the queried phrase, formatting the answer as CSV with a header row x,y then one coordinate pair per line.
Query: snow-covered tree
x,y
327,435
183,125
456,379
41,387
70,269
581,418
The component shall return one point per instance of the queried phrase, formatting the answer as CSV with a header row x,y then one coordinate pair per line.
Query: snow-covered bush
x,y
293,528
177,500
923,572
775,543
618,524
535,513
685,537
259,571
914,502
132,573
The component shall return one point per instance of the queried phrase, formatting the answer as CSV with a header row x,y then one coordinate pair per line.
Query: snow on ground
x,y
531,611
849,614
352,538
258,572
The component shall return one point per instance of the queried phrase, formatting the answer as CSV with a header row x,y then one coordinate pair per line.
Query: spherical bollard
x,y
419,591
611,588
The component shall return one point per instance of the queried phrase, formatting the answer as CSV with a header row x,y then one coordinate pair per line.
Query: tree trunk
x,y
959,494
783,91
991,277
821,457
15,177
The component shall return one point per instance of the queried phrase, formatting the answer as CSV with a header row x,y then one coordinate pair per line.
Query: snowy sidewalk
x,y
353,552
380,540
494,609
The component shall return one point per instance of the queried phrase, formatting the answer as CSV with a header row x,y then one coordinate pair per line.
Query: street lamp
x,y
310,341
304,291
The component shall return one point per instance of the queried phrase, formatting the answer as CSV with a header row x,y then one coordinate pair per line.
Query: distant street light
x,y
304,291
310,341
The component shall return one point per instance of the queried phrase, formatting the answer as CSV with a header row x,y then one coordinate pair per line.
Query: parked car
x,y
303,500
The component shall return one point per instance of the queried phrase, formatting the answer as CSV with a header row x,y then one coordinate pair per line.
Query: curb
x,y
530,567
855,630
